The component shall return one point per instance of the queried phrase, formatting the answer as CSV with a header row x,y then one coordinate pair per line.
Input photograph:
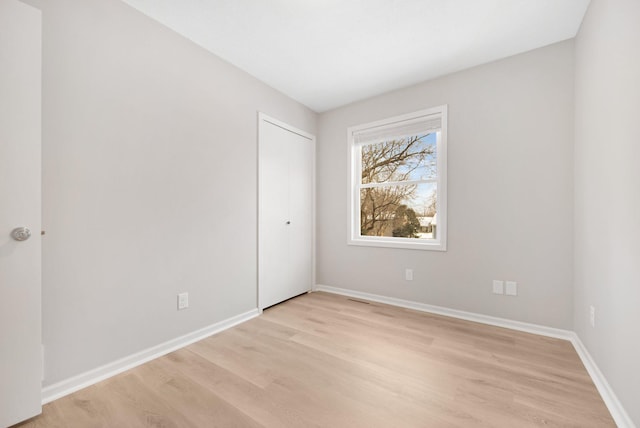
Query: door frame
x,y
264,119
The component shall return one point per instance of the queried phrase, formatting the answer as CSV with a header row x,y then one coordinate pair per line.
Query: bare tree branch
x,y
390,161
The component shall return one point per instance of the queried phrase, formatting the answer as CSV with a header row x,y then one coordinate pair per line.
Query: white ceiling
x,y
327,53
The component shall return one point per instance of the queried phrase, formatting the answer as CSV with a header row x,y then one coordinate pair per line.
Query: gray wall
x,y
510,178
149,169
607,193
149,181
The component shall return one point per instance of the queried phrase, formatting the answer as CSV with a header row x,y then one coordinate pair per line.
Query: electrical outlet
x,y
498,287
183,301
408,274
592,316
511,288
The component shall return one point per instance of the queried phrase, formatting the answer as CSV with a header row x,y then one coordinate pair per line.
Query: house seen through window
x,y
398,174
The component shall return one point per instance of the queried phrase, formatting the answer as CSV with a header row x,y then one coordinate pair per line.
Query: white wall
x,y
510,177
149,181
607,193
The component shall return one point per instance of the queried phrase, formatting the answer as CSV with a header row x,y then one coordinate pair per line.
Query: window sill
x,y
398,243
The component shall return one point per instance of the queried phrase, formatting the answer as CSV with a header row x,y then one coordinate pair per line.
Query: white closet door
x,y
20,289
301,214
285,260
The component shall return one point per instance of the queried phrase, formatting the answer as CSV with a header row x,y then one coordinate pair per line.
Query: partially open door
x,y
20,196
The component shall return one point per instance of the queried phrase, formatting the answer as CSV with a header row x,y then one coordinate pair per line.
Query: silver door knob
x,y
288,222
21,233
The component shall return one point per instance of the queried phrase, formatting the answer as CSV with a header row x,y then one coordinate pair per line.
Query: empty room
x,y
284,213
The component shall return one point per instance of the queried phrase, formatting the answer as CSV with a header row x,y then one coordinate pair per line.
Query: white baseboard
x,y
619,414
454,313
616,409
75,383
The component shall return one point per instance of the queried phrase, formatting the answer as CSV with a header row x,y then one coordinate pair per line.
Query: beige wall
x,y
607,193
149,169
510,177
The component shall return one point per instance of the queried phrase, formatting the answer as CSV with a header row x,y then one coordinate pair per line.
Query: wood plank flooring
x,y
323,360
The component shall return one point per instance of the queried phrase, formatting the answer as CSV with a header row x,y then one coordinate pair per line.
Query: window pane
x,y
411,158
399,211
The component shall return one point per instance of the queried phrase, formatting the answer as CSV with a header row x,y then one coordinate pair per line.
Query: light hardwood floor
x,y
323,360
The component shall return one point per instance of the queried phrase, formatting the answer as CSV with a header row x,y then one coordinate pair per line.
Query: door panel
x,y
301,213
20,277
285,243
273,250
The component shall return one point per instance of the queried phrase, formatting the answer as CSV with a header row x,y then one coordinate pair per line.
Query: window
x,y
398,173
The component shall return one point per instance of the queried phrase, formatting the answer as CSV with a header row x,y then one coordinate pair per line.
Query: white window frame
x,y
438,244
